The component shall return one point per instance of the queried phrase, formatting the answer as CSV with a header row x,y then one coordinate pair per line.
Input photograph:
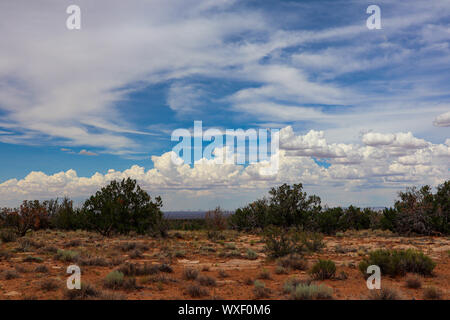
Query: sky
x,y
362,113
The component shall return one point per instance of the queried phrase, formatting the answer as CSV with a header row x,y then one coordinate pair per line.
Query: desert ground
x,y
187,265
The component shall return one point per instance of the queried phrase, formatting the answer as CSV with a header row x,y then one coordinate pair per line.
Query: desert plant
x,y
323,269
114,280
7,235
432,293
264,275
86,291
398,262
293,261
205,280
196,291
384,294
260,290
49,285
311,292
41,269
67,255
132,269
281,270
32,259
123,207
251,255
223,274
413,283
216,220
10,274
190,274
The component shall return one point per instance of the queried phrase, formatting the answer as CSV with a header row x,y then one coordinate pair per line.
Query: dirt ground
x,y
226,261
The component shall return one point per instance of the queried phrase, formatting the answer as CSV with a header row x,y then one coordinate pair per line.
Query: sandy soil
x,y
224,260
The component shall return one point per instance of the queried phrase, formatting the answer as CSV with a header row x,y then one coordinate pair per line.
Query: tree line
x,y
123,206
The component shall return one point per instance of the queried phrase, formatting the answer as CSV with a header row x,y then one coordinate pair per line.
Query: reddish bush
x,y
31,215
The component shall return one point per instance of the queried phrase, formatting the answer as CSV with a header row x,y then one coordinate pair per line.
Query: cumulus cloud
x,y
352,167
442,120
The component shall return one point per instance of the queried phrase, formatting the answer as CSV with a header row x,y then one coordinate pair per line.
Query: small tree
x,y
32,215
216,220
416,208
289,206
251,217
123,207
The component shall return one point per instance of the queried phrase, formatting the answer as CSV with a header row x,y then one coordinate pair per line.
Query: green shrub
x,y
86,291
280,242
114,280
260,290
311,292
291,283
323,269
251,255
133,269
281,270
384,294
398,262
67,255
108,211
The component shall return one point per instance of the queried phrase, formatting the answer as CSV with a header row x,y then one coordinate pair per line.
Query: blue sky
x,y
363,113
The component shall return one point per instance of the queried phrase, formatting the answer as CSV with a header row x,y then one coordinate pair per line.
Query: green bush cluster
x,y
398,262
281,242
323,269
120,207
418,211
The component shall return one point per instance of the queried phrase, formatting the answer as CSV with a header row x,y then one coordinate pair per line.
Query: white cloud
x,y
352,168
442,120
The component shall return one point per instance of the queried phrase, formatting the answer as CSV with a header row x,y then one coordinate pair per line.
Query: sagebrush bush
x,y
7,235
280,242
264,274
87,291
49,285
41,269
251,255
413,283
196,291
384,294
323,269
398,262
134,269
260,290
293,261
432,293
190,274
67,255
205,280
114,280
311,292
291,283
10,274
